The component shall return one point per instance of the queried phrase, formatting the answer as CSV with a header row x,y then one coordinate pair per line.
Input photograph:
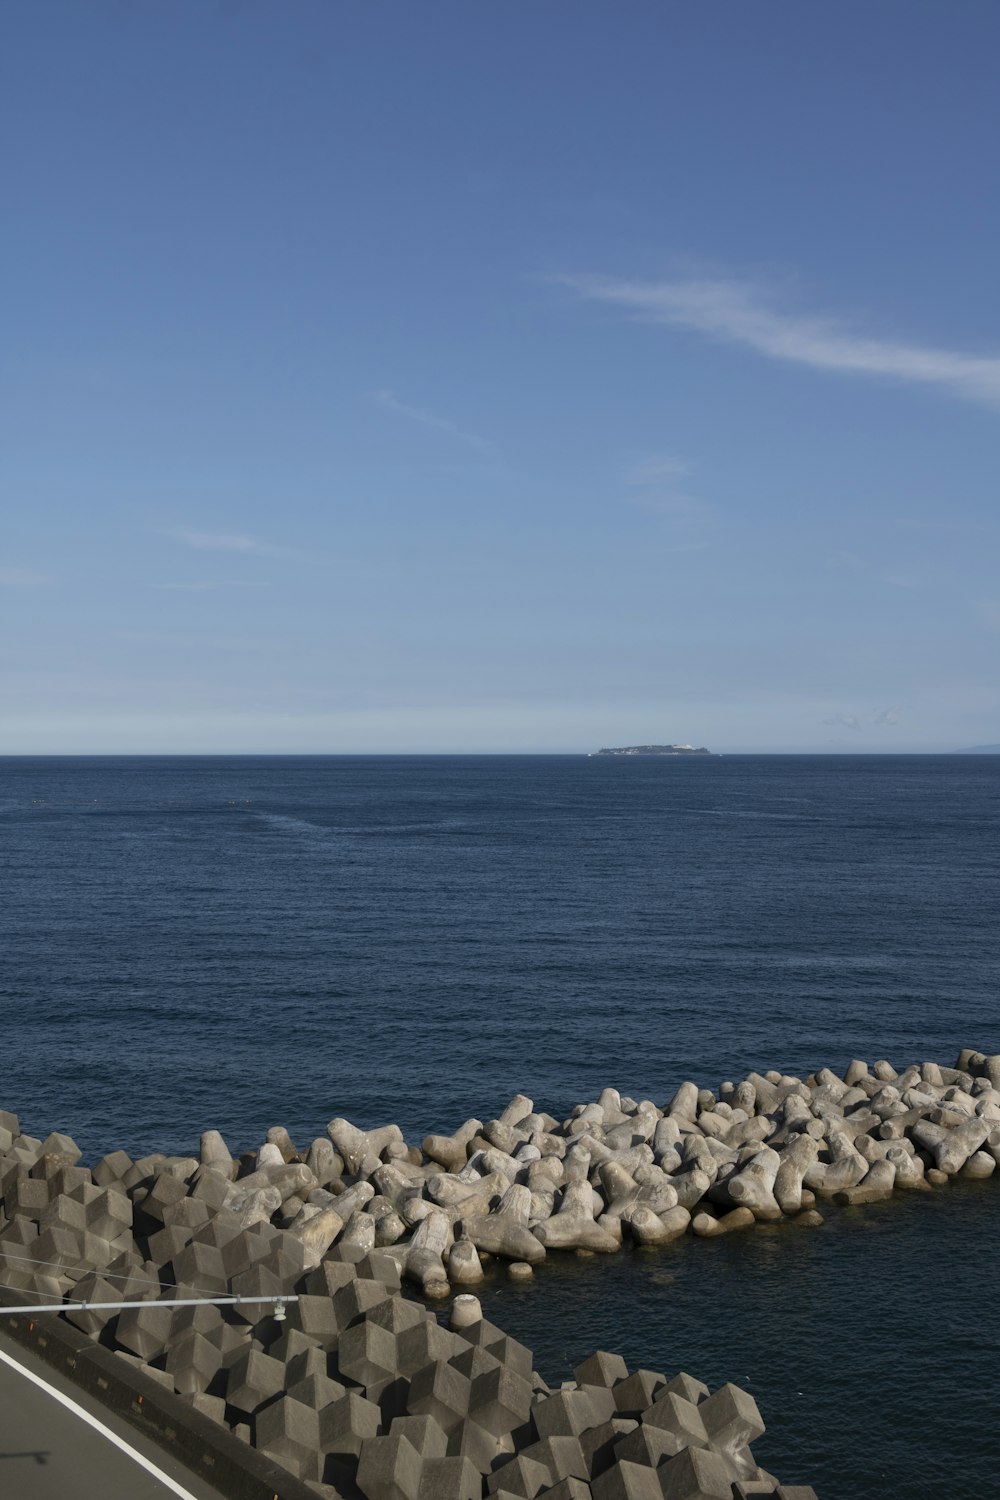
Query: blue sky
x,y
536,376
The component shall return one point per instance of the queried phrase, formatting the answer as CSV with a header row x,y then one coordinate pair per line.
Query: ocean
x,y
243,942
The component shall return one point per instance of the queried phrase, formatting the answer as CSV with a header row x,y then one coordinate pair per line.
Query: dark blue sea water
x,y
246,942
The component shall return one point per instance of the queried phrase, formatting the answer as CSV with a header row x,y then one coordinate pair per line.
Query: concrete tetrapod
x,y
572,1226
753,1187
506,1231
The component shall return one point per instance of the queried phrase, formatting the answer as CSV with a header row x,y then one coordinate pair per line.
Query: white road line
x,y
112,1437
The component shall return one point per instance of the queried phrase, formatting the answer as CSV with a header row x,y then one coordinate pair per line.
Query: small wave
x,y
781,817
365,830
443,825
293,825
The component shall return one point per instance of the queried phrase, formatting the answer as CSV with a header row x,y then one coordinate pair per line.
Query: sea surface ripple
x,y
252,941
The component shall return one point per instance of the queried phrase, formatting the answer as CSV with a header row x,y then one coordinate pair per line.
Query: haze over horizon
x,y
448,378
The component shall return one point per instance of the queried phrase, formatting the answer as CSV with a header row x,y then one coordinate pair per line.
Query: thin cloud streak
x,y
205,588
736,313
392,403
653,483
23,578
660,469
221,541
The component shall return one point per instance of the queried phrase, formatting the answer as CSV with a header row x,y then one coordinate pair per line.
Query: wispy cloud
x,y
225,541
23,578
886,718
844,721
660,468
864,567
392,403
738,313
654,486
208,586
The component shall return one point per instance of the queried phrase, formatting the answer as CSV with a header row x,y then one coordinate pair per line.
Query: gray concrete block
x,y
62,1179
599,1443
210,1186
366,1354
453,1478
253,1378
92,1288
481,1448
627,1481
398,1314
27,1199
26,1150
62,1147
520,1476
230,1339
241,1250
682,1418
257,1281
688,1387
439,1391
108,1213
646,1445
345,1424
213,1407
16,1235
696,1474
328,1277
500,1401
473,1362
112,1169
485,1335
562,1456
291,1344
98,1252
354,1299
423,1434
634,1394
309,1362
565,1414
288,1430
200,1266
601,1369
602,1402
292,1252
164,1244
316,1317
144,1330
192,1213
377,1266
62,1249
569,1489
389,1468
149,1207
192,1361
732,1419
317,1391
425,1343
286,1268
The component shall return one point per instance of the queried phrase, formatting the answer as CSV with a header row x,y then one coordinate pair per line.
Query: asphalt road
x,y
49,1452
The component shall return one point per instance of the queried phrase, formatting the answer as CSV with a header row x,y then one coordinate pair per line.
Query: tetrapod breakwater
x,y
354,1389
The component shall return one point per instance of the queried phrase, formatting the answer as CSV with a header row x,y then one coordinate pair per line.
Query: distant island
x,y
654,750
